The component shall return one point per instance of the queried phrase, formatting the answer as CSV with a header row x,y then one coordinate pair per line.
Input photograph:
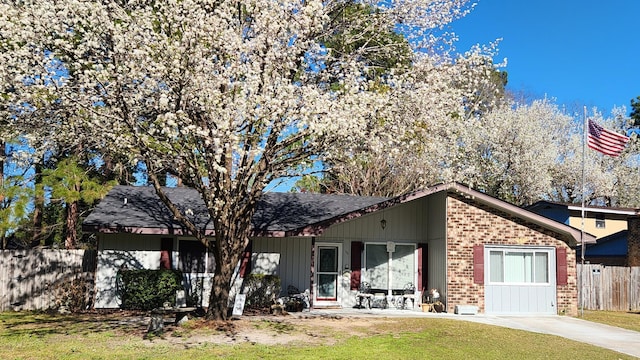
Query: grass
x,y
624,319
278,327
27,335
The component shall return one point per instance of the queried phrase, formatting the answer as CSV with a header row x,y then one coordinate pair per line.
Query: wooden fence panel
x,y
613,288
41,279
634,289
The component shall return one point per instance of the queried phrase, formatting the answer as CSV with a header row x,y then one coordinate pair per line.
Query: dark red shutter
x,y
245,265
422,267
356,263
478,264
562,276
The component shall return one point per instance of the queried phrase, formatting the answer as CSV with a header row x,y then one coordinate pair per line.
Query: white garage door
x,y
521,280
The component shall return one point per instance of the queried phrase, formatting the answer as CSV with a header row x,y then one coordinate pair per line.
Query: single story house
x,y
475,249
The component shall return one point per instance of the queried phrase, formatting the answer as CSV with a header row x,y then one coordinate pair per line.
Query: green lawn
x,y
41,336
623,319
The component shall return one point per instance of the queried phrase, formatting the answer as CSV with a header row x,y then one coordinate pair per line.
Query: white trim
x,y
601,210
321,302
524,249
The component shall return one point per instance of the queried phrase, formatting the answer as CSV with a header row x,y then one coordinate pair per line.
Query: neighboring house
x,y
609,225
611,250
475,249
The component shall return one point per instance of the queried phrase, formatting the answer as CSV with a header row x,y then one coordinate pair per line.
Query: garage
x,y
520,280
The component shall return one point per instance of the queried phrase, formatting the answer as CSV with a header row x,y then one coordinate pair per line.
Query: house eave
x,y
577,235
573,233
602,210
114,229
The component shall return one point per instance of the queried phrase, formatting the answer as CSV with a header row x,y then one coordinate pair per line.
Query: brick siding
x,y
470,223
633,241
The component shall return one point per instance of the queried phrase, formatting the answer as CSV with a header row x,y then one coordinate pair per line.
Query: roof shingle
x,y
138,209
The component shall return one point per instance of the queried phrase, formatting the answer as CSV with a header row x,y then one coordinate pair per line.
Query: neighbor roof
x,y
615,244
578,207
137,209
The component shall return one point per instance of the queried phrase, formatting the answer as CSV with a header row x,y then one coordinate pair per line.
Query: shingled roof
x,y
137,209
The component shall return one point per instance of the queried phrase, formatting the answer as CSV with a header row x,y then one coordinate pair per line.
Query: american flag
x,y
605,141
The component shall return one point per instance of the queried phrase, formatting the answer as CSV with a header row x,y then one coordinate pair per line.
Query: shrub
x,y
148,289
74,293
261,290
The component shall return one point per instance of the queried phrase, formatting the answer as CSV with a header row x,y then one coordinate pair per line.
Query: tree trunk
x,y
38,205
71,235
220,288
73,215
231,240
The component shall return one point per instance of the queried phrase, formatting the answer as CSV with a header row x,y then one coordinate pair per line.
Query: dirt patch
x,y
269,330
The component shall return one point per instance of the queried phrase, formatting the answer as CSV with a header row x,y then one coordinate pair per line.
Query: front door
x,y
328,263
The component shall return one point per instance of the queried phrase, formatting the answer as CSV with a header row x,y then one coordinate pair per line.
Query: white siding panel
x,y
404,223
437,217
292,256
109,262
265,263
437,267
122,250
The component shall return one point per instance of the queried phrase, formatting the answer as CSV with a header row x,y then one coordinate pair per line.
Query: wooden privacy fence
x,y
41,279
614,288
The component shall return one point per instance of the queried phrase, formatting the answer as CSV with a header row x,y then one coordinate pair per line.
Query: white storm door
x,y
327,272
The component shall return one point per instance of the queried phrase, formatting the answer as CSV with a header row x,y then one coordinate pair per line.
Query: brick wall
x,y
633,241
469,224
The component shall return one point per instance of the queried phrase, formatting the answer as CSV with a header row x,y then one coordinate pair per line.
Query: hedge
x,y
148,289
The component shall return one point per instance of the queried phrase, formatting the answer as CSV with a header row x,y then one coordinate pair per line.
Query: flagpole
x,y
582,249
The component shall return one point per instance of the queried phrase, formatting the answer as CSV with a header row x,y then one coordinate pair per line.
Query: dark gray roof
x,y
138,209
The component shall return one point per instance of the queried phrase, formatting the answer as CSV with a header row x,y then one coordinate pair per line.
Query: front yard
x,y
122,335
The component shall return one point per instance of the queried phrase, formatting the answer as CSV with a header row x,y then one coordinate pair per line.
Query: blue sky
x,y
580,52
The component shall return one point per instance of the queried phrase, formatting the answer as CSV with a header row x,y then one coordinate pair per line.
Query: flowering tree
x,y
422,136
227,95
525,153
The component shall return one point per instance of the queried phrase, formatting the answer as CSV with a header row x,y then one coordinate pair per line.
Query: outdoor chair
x,y
364,294
408,293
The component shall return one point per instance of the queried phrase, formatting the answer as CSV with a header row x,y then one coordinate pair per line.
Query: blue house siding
x,y
559,213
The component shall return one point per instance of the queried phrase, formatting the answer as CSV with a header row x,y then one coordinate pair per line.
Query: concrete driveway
x,y
605,336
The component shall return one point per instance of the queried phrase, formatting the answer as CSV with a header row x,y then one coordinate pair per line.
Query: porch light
x,y
383,223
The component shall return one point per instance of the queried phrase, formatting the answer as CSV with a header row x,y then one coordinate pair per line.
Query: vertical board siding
x,y
40,279
295,255
406,223
110,262
614,288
